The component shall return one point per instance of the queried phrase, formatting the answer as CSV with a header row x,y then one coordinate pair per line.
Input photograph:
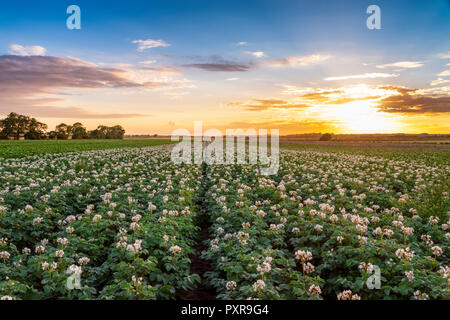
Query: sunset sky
x,y
299,66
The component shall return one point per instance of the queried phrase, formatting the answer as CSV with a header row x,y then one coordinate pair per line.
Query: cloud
x,y
64,112
444,55
149,43
148,62
285,126
218,64
412,101
43,73
233,79
29,83
363,76
402,64
265,104
445,73
163,70
17,49
296,60
439,81
241,43
256,54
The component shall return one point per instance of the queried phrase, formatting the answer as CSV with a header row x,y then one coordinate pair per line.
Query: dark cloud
x,y
216,63
24,78
412,101
406,103
41,72
219,67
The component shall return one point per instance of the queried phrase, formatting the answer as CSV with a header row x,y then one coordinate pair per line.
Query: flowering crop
x,y
119,220
123,222
319,228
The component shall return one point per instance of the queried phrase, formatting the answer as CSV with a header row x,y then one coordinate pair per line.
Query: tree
x,y
326,137
105,132
17,125
116,132
63,131
78,131
36,130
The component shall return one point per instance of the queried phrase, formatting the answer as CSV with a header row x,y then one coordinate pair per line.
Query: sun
x,y
362,117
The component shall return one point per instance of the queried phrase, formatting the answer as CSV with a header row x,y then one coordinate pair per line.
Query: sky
x,y
297,66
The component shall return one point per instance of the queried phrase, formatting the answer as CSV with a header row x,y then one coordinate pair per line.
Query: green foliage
x,y
19,149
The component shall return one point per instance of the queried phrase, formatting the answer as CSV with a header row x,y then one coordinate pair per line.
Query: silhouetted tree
x,y
105,132
78,131
63,131
17,125
326,137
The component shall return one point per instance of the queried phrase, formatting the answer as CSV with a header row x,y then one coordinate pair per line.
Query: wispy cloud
x,y
150,43
444,55
148,62
17,49
232,79
385,98
439,81
241,43
218,64
256,54
402,64
46,111
265,104
28,83
164,70
445,73
296,60
219,67
363,76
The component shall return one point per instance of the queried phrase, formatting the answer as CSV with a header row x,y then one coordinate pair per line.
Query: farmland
x,y
19,149
127,223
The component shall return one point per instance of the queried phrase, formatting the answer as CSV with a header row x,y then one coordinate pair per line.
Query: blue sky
x,y
203,34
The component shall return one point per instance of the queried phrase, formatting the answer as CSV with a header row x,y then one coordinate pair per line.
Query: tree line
x,y
16,126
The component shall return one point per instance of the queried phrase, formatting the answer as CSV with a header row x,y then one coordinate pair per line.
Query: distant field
x,y
19,149
396,152
422,145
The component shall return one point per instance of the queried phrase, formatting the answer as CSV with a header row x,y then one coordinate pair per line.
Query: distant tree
x,y
52,135
36,130
326,137
63,131
105,132
78,131
17,125
116,132
101,132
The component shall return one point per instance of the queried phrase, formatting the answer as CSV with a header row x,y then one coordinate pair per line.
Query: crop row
x,y
113,224
329,226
